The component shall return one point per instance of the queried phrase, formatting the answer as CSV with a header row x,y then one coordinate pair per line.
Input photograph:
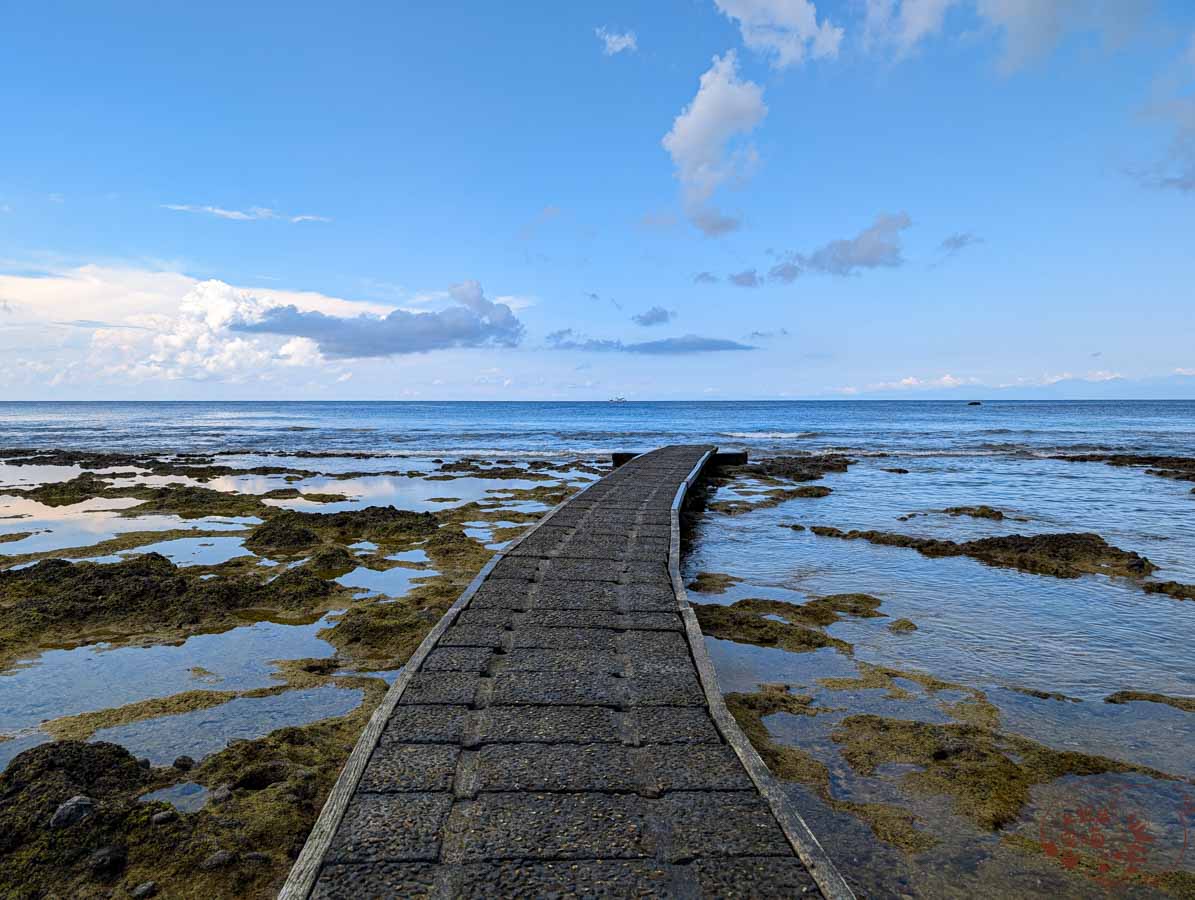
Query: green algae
x,y
184,501
729,623
82,726
890,824
1059,555
1186,704
130,540
276,786
59,603
987,774
902,626
712,582
15,536
291,531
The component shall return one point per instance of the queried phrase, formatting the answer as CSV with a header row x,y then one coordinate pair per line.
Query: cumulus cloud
x,y
1028,28
878,246
705,278
787,31
702,140
164,326
254,213
657,315
614,42
473,321
748,279
568,339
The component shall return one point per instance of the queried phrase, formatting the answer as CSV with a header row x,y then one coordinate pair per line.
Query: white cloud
x,y
1181,371
785,30
253,214
156,325
912,382
700,142
613,42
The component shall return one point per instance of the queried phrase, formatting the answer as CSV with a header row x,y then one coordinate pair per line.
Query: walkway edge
x,y
306,868
822,869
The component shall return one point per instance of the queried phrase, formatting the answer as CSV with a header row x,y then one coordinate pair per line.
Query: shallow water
x,y
389,583
982,627
98,676
205,731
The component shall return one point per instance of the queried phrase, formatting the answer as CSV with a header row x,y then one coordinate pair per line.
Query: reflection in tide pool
x,y
205,551
391,582
205,731
185,797
89,522
66,682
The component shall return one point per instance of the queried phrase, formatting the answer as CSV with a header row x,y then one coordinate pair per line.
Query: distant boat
x,y
975,403
618,400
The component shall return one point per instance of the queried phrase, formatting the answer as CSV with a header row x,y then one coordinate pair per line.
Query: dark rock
x,y
164,817
73,811
219,860
184,763
143,762
107,860
222,794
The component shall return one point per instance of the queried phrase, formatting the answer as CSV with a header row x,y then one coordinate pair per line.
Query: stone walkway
x,y
554,736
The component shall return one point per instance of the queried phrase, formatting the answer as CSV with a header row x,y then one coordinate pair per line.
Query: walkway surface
x,y
555,735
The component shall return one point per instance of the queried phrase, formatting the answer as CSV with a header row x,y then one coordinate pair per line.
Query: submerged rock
x,y
737,624
1171,589
800,468
902,626
988,774
1186,704
1060,555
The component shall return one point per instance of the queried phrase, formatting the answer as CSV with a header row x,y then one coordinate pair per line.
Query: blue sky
x,y
700,198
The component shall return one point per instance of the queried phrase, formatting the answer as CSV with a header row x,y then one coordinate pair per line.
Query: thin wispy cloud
x,y
706,278
747,279
568,339
956,243
705,141
1027,29
614,42
253,214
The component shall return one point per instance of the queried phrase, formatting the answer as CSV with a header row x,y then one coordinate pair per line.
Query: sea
x,y
1046,653
929,428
